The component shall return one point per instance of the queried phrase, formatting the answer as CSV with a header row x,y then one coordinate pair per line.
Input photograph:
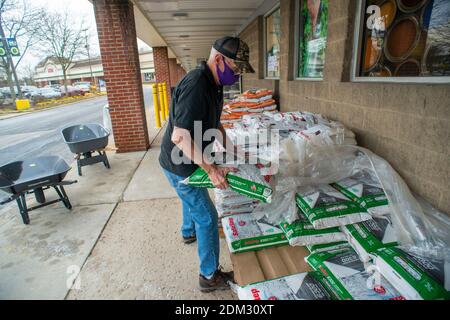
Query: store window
x,y
312,30
149,76
402,41
272,26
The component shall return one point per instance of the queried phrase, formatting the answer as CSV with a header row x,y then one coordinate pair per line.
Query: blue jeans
x,y
200,219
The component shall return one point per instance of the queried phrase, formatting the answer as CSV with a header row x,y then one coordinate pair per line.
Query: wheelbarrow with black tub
x,y
86,139
33,176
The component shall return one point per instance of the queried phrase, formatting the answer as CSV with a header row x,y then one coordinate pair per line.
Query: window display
x,y
313,38
404,38
272,42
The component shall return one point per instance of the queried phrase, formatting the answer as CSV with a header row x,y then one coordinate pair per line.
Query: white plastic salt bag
x,y
325,207
414,276
364,188
300,286
348,275
244,233
367,236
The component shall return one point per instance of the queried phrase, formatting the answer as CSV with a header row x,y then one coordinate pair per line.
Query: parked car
x,y
84,86
53,86
6,91
26,89
71,91
44,93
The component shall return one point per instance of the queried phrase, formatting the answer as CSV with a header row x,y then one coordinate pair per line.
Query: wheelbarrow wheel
x,y
39,195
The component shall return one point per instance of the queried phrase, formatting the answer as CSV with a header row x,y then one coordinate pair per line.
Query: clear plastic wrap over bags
x,y
419,227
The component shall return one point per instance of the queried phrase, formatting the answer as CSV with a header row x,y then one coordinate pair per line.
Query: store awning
x,y
189,27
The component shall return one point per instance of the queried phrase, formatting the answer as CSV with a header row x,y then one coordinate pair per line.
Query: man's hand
x,y
217,175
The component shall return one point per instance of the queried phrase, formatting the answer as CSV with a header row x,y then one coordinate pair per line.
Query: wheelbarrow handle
x,y
68,182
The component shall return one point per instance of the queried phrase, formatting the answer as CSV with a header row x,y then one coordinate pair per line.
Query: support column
x,y
122,74
162,71
173,71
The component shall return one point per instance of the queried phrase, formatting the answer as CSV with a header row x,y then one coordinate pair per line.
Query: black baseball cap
x,y
236,49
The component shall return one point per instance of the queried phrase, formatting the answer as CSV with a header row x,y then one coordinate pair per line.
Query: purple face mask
x,y
227,77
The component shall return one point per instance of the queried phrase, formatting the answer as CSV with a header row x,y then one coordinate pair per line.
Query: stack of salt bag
x,y
229,202
365,188
250,102
416,277
378,232
349,278
301,233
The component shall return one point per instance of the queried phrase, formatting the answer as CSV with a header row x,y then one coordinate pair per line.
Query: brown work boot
x,y
219,281
189,240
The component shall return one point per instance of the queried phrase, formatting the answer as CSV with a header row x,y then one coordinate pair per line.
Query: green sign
x,y
13,48
2,49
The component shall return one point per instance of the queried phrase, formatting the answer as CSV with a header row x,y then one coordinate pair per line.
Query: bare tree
x,y
61,39
19,21
28,72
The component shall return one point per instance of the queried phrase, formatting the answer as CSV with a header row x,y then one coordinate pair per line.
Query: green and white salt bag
x,y
415,277
247,181
301,232
244,233
330,247
300,286
326,207
349,278
365,189
367,236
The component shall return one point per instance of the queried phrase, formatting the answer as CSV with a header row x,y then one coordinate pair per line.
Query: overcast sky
x,y
79,10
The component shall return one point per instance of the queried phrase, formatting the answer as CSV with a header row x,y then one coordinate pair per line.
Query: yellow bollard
x,y
156,105
165,100
161,102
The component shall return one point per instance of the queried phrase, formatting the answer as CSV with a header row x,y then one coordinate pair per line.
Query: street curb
x,y
50,108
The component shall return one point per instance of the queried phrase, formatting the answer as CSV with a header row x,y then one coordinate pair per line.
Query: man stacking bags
x,y
350,281
368,236
416,278
330,247
325,207
302,233
244,233
300,286
365,188
247,181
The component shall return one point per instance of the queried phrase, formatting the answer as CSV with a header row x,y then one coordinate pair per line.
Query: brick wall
x,y
120,58
162,71
406,124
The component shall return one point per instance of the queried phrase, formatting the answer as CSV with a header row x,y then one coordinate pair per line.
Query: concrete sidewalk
x,y
140,254
123,233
